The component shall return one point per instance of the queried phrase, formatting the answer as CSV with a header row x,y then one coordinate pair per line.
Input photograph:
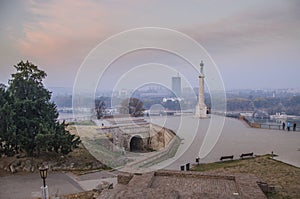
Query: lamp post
x,y
198,160
43,173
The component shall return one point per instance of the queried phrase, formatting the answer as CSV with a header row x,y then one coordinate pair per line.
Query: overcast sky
x,y
255,44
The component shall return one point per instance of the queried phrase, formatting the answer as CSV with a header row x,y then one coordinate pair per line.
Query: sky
x,y
255,44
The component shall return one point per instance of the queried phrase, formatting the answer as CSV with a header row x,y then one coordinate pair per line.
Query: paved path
x,y
28,186
236,138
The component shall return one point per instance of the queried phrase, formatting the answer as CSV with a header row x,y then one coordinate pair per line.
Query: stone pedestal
x,y
201,111
45,193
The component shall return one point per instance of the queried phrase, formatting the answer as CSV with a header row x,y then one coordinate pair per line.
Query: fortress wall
x,y
160,137
154,136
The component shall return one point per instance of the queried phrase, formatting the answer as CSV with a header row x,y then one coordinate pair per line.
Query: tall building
x,y
201,109
176,86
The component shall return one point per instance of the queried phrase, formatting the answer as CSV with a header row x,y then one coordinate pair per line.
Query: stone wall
x,y
184,184
160,137
154,136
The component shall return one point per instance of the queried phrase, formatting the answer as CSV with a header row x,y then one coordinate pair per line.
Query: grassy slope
x,y
269,170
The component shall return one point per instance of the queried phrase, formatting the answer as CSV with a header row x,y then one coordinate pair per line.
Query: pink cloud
x,y
63,28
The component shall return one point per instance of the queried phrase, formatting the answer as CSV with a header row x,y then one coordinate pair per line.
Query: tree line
x,y
28,119
289,105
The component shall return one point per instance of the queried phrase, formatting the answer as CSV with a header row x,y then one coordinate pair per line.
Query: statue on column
x,y
201,67
201,109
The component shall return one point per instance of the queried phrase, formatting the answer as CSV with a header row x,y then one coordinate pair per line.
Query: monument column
x,y
201,109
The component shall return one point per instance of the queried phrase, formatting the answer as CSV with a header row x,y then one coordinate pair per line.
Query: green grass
x,y
99,149
85,122
218,165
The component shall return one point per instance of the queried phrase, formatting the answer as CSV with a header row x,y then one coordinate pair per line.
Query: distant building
x,y
176,86
173,99
123,93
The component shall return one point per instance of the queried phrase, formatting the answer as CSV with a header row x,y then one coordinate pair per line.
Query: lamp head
x,y
43,172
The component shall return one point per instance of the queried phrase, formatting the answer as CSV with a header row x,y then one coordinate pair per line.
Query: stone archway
x,y
136,144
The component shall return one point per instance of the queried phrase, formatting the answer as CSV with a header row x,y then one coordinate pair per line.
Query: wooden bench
x,y
246,155
226,157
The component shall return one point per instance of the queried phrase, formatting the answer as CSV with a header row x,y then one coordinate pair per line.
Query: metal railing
x,y
268,126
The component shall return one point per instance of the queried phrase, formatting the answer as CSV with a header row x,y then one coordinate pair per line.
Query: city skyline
x,y
254,44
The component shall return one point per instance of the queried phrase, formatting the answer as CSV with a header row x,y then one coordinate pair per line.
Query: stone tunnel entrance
x,y
136,144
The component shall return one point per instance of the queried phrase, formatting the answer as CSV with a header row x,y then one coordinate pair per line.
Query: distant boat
x,y
279,116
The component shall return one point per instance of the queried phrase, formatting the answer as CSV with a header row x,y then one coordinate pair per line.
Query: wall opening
x,y
136,144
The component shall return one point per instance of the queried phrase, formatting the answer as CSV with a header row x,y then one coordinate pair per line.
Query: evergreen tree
x,y
36,126
8,145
